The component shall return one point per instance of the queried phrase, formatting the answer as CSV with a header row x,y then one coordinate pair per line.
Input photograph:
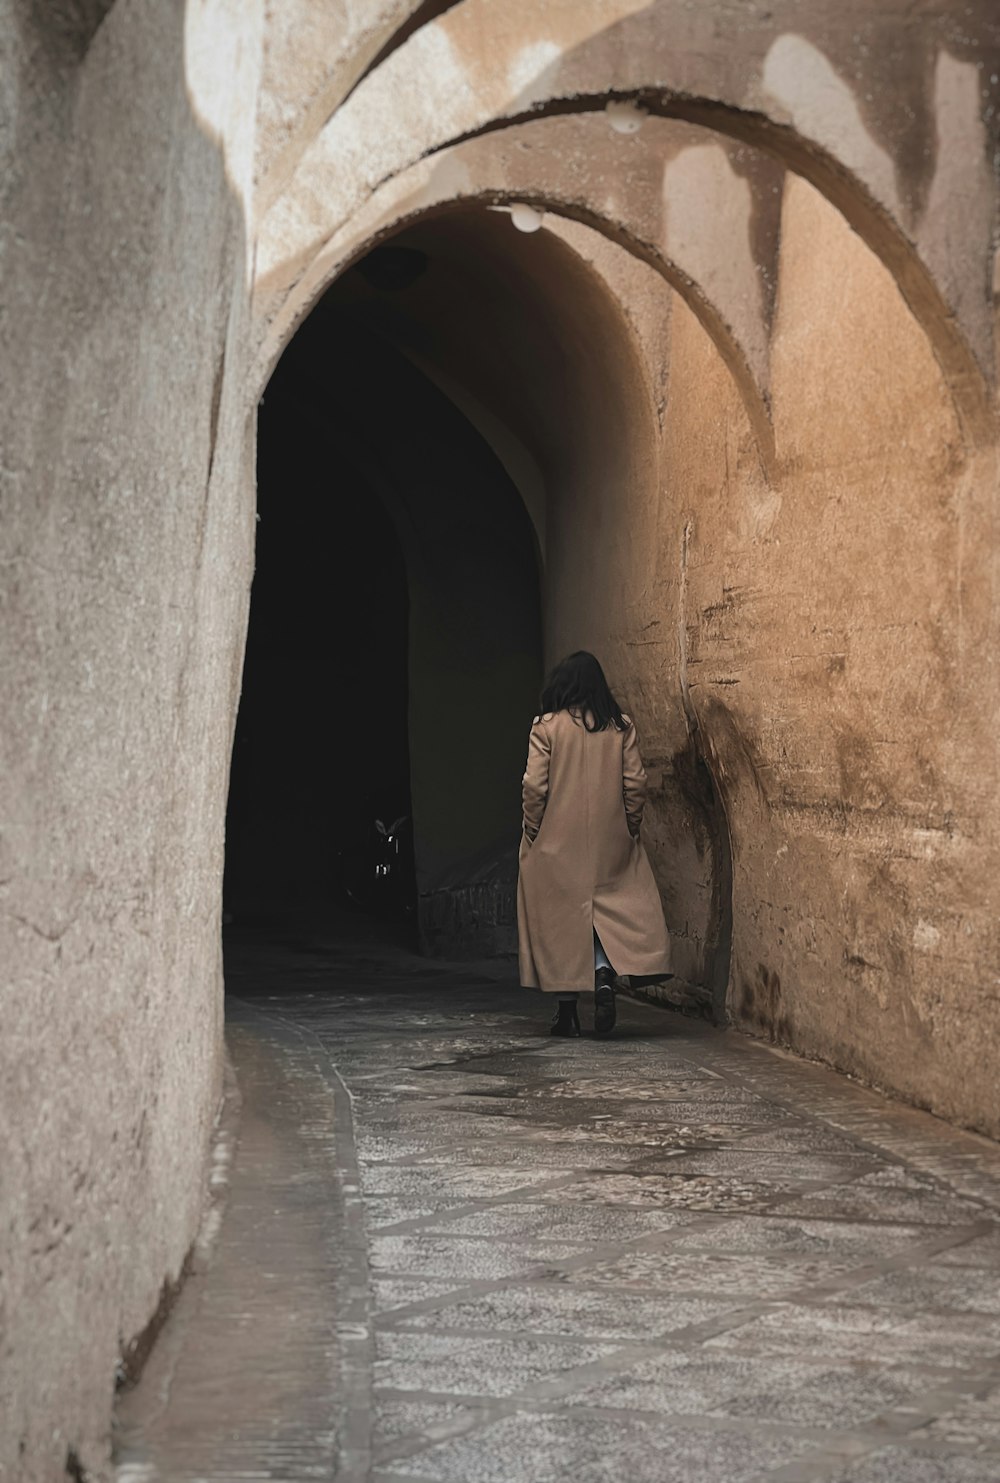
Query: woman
x,y
587,904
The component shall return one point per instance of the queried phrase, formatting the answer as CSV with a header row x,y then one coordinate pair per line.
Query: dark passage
x,y
393,657
321,742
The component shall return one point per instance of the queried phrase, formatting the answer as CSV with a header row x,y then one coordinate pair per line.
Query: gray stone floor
x,y
455,1250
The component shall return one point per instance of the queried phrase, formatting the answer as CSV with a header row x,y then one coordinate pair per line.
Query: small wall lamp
x,y
624,116
526,218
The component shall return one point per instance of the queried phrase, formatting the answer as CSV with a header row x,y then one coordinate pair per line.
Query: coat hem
x,y
575,987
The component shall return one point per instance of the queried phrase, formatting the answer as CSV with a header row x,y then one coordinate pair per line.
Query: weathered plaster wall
x,y
809,655
830,633
313,56
896,123
807,642
126,559
804,639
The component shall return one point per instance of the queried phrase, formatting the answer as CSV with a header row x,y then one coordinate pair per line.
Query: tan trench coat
x,y
582,866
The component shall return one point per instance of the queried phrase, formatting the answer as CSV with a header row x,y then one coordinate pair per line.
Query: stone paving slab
x,y
771,1388
385,1212
544,1308
965,1339
576,1222
974,1423
751,1164
841,1239
912,1465
478,1365
873,1195
800,1138
933,1287
449,1256
391,1294
595,1449
449,1182
419,1421
983,1251
672,1271
671,1257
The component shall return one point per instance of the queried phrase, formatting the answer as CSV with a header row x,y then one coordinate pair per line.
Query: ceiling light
x,y
526,218
624,116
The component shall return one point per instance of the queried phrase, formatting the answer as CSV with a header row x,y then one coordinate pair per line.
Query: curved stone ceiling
x,y
701,209
813,87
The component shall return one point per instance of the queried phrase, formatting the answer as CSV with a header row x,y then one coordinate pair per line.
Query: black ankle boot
x,y
567,1020
604,1001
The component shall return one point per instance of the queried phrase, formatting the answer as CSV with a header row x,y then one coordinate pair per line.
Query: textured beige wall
x,y
901,135
808,651
126,549
833,630
828,630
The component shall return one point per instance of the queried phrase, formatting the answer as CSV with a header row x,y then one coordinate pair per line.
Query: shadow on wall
x,y
700,792
733,788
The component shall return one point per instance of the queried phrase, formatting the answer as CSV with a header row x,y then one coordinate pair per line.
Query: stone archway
x,y
531,344
828,622
656,212
863,163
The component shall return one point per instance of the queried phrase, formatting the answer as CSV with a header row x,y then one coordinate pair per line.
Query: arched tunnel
x,y
314,463
399,543
441,452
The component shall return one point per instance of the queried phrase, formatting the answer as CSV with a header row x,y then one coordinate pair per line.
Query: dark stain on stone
x,y
729,750
216,406
760,1006
700,787
135,1353
66,28
766,177
75,1468
855,960
726,605
862,784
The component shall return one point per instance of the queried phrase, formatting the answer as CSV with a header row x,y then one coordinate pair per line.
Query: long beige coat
x,y
582,866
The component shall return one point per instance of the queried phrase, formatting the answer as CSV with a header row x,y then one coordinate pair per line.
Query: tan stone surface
x,y
703,211
125,565
806,633
313,56
831,661
831,92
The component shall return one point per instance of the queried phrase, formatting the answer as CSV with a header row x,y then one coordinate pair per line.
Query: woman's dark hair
x,y
578,683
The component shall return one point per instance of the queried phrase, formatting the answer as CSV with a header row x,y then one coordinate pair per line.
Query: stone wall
x,y
758,440
838,632
808,652
126,562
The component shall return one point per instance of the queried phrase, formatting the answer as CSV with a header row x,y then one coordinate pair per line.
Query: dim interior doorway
x,y
394,649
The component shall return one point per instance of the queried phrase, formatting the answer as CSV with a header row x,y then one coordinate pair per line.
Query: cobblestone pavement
x,y
459,1251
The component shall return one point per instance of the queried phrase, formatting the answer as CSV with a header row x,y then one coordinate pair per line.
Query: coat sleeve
x,y
633,780
535,783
